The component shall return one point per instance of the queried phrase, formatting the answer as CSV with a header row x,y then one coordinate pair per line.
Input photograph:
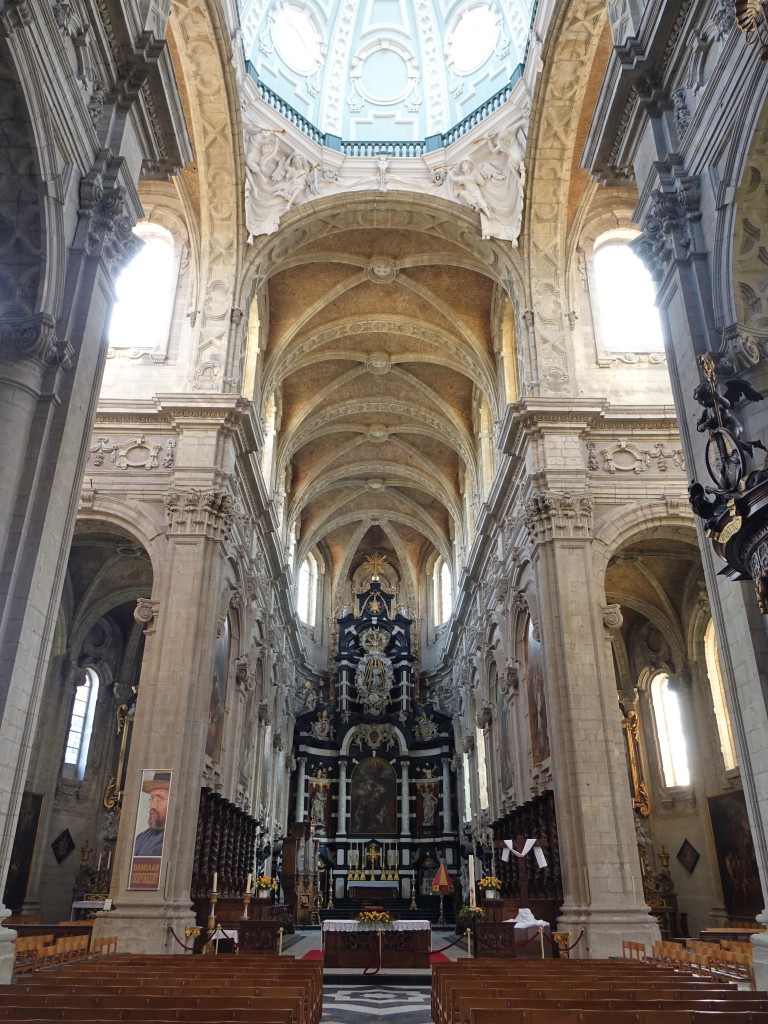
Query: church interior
x,y
356,359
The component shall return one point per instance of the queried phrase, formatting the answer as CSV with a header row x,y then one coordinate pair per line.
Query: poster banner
x,y
149,833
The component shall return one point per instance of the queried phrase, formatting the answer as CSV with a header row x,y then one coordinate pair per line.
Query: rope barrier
x,y
455,942
567,949
376,955
187,948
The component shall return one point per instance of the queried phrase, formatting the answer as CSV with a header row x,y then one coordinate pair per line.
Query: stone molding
x,y
204,513
146,610
14,14
613,620
550,516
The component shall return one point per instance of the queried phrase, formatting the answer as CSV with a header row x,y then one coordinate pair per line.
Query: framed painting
x,y
373,798
735,854
218,700
23,850
535,692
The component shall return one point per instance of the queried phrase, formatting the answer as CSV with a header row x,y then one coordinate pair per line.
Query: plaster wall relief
x,y
218,326
550,145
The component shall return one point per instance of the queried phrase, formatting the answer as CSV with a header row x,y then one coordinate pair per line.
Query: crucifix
x,y
372,854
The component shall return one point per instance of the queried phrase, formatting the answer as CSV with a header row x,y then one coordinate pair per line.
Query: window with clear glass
x,y
727,746
307,590
628,318
146,290
669,732
80,726
442,591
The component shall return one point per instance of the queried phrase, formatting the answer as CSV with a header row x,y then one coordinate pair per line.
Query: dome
x,y
385,70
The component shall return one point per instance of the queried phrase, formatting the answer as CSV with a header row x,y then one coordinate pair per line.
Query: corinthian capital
x,y
205,513
550,516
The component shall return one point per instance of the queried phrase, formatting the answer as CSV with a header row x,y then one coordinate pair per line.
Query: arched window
x,y
146,290
80,726
306,597
727,746
482,770
628,318
442,591
669,732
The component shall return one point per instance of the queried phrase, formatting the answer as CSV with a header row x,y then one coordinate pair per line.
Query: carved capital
x,y
469,744
613,620
145,610
105,229
484,716
667,234
34,337
204,513
550,516
14,14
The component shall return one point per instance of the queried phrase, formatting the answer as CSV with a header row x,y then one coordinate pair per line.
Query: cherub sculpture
x,y
718,409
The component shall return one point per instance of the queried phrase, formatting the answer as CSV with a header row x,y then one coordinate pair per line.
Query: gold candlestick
x,y
246,904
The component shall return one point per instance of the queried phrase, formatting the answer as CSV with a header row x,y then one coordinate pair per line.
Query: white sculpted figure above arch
x,y
494,188
274,182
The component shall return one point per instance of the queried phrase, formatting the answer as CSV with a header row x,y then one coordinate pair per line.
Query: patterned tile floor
x,y
395,1004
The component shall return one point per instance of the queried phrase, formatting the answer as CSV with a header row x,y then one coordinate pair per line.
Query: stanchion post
x,y
280,941
541,940
469,942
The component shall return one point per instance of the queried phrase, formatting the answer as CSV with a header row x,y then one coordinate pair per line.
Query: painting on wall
x,y
23,849
537,703
735,854
373,798
218,701
247,743
505,745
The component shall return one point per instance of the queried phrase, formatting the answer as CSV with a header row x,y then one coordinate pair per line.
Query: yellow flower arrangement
x,y
374,919
489,882
266,882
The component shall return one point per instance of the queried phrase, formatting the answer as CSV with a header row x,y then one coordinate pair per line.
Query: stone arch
x,y
626,523
31,231
138,521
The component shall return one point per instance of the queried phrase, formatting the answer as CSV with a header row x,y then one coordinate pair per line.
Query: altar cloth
x,y
393,926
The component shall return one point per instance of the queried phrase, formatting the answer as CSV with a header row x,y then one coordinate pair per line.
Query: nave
x,y
292,989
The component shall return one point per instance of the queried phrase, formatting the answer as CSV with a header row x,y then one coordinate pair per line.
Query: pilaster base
x,y
760,954
604,929
7,952
146,929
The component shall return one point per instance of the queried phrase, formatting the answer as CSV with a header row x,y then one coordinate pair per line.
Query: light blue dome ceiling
x,y
385,70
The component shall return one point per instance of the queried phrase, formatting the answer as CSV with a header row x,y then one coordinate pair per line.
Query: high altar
x,y
373,794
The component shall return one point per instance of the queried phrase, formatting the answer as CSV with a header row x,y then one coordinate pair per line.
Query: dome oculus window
x,y
629,319
296,39
473,38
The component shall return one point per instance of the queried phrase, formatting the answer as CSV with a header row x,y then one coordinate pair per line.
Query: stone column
x,y
172,714
598,848
447,817
51,365
405,801
300,785
341,830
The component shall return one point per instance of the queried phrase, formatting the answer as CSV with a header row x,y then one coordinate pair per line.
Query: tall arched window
x,y
727,746
146,290
80,726
306,597
628,318
442,591
669,732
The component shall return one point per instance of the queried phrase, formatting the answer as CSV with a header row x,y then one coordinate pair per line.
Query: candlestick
x,y
248,883
215,881
471,876
98,866
109,858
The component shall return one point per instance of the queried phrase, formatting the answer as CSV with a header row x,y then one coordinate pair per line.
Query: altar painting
x,y
537,704
373,798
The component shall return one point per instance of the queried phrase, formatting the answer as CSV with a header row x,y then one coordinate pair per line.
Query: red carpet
x,y
439,958
313,954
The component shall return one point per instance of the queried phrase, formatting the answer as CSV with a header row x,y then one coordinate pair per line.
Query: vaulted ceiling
x,y
381,362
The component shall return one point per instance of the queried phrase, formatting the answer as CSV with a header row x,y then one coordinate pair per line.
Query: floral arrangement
x,y
470,914
266,882
489,882
374,918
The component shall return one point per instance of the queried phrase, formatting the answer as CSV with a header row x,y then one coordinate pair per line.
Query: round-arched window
x,y
146,289
628,318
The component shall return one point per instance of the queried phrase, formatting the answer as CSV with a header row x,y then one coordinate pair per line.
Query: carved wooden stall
x,y
523,881
299,872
